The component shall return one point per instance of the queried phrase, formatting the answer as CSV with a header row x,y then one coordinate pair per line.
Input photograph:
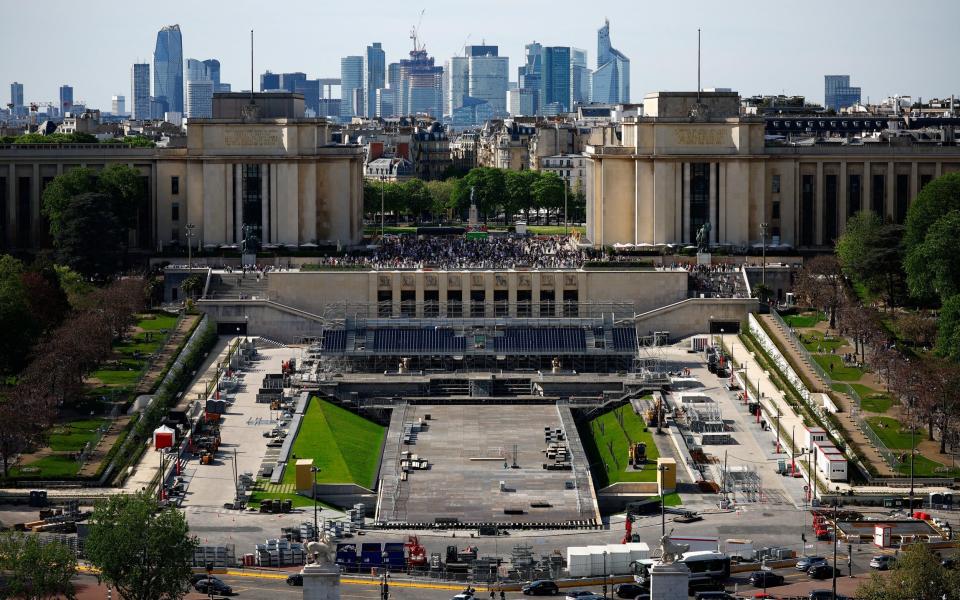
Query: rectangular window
x,y
853,194
806,210
699,197
775,212
775,184
175,235
175,211
878,194
830,210
903,197
24,218
174,185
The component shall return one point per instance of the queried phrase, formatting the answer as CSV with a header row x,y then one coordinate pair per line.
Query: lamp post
x,y
566,222
316,523
763,269
836,531
663,513
779,414
384,575
190,234
604,573
913,447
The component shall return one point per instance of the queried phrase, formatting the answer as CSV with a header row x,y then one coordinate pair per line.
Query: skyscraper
x,y
457,75
528,78
289,81
140,91
611,80
489,77
555,81
212,67
269,81
351,78
837,92
310,88
393,76
16,94
66,98
374,76
581,77
421,85
200,88
118,105
168,69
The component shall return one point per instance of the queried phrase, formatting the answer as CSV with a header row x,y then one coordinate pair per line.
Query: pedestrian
x,y
493,595
502,595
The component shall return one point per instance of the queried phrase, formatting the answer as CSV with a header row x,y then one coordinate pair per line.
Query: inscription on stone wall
x,y
695,136
259,138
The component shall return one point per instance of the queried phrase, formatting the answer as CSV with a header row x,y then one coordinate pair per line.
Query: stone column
x,y
535,294
685,234
264,203
914,182
667,582
818,206
714,209
230,202
866,188
321,582
238,203
889,203
842,199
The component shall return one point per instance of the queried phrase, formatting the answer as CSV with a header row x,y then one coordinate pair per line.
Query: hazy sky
x,y
774,47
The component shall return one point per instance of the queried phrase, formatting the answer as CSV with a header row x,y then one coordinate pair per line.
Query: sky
x,y
887,47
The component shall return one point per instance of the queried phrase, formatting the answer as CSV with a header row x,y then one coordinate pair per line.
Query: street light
x,y
316,524
836,531
383,183
384,574
604,573
779,414
763,276
663,513
190,234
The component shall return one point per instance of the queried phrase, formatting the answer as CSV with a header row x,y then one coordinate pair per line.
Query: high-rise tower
x,y
168,69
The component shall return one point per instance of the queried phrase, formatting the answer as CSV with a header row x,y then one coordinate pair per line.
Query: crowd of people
x,y
409,252
721,280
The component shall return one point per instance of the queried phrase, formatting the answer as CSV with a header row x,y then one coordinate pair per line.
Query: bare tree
x,y
26,412
820,283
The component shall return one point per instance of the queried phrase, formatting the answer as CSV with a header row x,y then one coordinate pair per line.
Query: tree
x,y
932,268
948,329
548,193
937,199
145,553
58,194
125,187
16,320
918,574
26,411
91,238
36,570
48,303
820,283
417,198
441,197
73,284
519,188
918,329
871,253
192,285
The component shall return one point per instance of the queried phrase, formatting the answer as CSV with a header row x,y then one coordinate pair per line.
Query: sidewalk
x,y
851,429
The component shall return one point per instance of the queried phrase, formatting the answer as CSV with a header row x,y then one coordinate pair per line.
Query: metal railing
x,y
801,349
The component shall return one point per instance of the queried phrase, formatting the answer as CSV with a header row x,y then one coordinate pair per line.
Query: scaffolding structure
x,y
745,482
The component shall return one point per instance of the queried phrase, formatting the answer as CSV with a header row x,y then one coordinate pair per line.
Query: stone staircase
x,y
233,285
845,404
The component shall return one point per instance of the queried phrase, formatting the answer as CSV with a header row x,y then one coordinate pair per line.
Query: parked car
x,y
805,562
205,586
820,572
540,587
765,579
629,590
295,579
584,595
198,576
714,596
882,562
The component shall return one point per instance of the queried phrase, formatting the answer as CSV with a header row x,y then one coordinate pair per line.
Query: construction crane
x,y
464,46
415,33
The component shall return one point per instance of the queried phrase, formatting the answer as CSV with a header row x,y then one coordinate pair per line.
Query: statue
x,y
703,238
669,551
322,551
250,243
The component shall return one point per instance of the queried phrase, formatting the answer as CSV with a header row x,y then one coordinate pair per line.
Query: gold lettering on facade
x,y
259,138
695,136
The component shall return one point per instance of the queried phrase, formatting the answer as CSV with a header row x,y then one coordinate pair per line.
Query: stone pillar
x,y
914,182
889,203
842,199
321,582
228,225
238,203
866,188
714,209
818,206
685,233
535,293
667,582
264,203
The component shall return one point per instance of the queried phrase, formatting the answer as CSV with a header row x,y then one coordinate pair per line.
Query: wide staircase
x,y
845,404
237,285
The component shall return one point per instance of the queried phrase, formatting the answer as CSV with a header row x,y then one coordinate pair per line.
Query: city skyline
x,y
736,47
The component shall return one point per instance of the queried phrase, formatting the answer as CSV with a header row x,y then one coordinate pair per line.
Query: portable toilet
x,y
881,535
667,474
304,470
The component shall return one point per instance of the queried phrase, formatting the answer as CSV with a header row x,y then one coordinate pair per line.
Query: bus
x,y
703,565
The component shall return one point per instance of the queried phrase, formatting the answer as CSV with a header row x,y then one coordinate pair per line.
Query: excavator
x,y
637,455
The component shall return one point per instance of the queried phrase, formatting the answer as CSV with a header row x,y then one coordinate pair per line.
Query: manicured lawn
x,y
73,436
814,342
603,432
345,446
804,319
157,322
873,400
924,467
126,375
891,434
839,372
53,466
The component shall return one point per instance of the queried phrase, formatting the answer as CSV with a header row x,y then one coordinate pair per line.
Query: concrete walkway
x,y
851,429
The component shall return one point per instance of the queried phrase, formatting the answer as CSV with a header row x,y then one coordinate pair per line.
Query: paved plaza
x,y
470,450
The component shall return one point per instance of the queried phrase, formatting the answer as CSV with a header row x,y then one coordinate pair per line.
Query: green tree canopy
x,y
61,190
871,253
441,196
548,192
416,198
932,266
36,570
16,320
91,237
144,553
948,329
938,198
918,574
